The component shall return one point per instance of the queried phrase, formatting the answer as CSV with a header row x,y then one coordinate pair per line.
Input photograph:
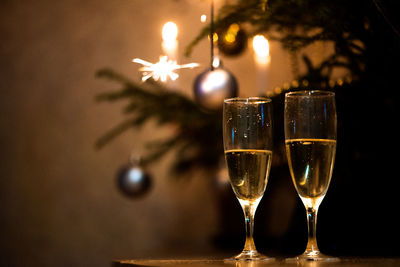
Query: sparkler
x,y
162,69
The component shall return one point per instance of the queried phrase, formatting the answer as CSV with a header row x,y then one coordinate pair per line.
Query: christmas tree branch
x,y
194,136
297,24
112,134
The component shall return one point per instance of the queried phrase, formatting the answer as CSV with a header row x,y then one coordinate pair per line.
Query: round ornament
x,y
232,41
133,181
214,85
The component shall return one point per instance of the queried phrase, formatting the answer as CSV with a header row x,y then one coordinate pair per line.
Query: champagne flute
x,y
310,140
247,135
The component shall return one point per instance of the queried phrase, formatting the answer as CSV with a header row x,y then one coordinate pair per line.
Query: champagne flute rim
x,y
248,100
309,93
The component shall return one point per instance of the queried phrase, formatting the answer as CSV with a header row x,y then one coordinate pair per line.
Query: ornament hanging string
x,y
215,84
212,34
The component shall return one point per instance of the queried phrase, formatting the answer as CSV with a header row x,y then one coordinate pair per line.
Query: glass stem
x,y
249,211
312,247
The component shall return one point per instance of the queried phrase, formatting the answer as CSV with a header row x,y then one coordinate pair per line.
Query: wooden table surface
x,y
350,262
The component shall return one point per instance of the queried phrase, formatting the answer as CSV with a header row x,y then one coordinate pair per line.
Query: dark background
x,y
59,204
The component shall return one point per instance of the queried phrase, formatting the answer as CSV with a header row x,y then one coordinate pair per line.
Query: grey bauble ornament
x,y
214,85
133,181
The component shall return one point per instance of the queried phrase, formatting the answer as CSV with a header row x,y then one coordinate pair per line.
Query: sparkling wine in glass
x,y
310,140
247,134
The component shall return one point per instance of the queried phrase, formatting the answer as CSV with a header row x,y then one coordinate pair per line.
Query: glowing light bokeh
x,y
169,32
261,49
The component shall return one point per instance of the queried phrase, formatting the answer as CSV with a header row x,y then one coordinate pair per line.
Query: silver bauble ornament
x,y
133,181
214,85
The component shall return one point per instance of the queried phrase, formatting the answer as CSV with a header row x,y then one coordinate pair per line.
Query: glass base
x,y
250,256
313,256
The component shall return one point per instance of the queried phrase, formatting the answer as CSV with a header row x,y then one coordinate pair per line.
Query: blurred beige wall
x,y
59,205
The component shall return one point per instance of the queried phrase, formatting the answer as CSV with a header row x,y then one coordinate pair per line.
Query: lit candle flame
x,y
261,49
169,31
169,36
